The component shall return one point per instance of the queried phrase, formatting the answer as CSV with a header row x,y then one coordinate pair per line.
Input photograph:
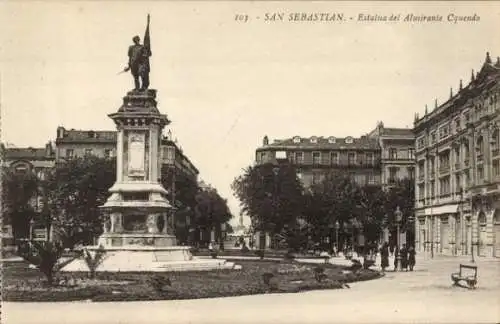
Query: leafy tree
x,y
19,188
77,188
211,211
401,195
271,195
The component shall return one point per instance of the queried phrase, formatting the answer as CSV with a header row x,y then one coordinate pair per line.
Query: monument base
x,y
128,239
148,259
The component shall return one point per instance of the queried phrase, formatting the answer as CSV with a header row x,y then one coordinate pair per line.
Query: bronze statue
x,y
138,61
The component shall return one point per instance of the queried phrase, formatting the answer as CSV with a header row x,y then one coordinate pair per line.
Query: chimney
x,y
265,141
488,58
48,149
61,132
451,93
472,78
461,85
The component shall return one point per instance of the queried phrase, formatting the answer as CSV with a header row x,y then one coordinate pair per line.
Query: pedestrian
x,y
384,254
391,249
411,257
404,257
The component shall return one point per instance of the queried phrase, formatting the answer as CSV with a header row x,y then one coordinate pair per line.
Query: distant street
x,y
422,296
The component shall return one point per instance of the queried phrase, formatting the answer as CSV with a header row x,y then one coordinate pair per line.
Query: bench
x,y
467,273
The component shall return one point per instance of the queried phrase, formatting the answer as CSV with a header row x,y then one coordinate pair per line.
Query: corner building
x,y
458,170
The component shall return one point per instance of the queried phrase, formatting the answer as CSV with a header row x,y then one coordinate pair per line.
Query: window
x,y
316,178
411,154
370,178
457,125
296,139
411,173
88,152
335,158
107,153
393,174
299,157
421,191
458,182
480,172
393,153
496,168
467,177
351,157
480,146
349,140
369,158
466,117
316,157
444,186
433,137
69,153
314,140
331,140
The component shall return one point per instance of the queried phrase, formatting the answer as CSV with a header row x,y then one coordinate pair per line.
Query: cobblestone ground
x,y
423,296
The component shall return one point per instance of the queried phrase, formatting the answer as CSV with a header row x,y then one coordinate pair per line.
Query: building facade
x,y
25,160
315,156
458,170
397,147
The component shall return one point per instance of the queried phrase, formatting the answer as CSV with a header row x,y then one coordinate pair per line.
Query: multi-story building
x,y
458,170
316,156
24,160
397,146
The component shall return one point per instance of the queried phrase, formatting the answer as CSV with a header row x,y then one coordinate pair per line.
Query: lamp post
x,y
399,216
337,226
469,225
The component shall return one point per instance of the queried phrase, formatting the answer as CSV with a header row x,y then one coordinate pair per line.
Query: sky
x,y
226,83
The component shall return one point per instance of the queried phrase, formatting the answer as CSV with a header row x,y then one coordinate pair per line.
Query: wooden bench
x,y
467,273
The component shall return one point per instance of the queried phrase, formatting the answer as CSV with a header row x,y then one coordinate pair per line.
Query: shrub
x,y
158,283
260,253
289,255
319,274
45,256
93,262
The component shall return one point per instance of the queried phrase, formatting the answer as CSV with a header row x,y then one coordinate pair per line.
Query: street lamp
x,y
469,225
399,216
337,226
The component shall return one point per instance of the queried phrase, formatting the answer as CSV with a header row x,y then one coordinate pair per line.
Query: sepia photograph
x,y
234,161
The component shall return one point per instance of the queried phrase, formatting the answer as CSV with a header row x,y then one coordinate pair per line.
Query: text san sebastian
x,y
304,16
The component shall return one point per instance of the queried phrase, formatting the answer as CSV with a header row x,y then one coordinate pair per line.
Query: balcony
x,y
444,169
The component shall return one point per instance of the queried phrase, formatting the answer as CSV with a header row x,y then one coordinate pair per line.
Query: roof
x,y
87,136
487,78
397,132
324,143
29,153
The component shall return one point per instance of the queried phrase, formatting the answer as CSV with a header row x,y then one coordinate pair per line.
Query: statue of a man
x,y
138,63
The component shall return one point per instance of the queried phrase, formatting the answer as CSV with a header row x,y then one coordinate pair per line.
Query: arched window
x,y
480,145
496,216
482,219
495,141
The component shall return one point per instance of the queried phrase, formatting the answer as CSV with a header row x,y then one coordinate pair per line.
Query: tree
x,y
271,195
211,211
19,188
77,188
401,195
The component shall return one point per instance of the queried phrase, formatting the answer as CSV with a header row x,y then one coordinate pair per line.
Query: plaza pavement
x,y
422,296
